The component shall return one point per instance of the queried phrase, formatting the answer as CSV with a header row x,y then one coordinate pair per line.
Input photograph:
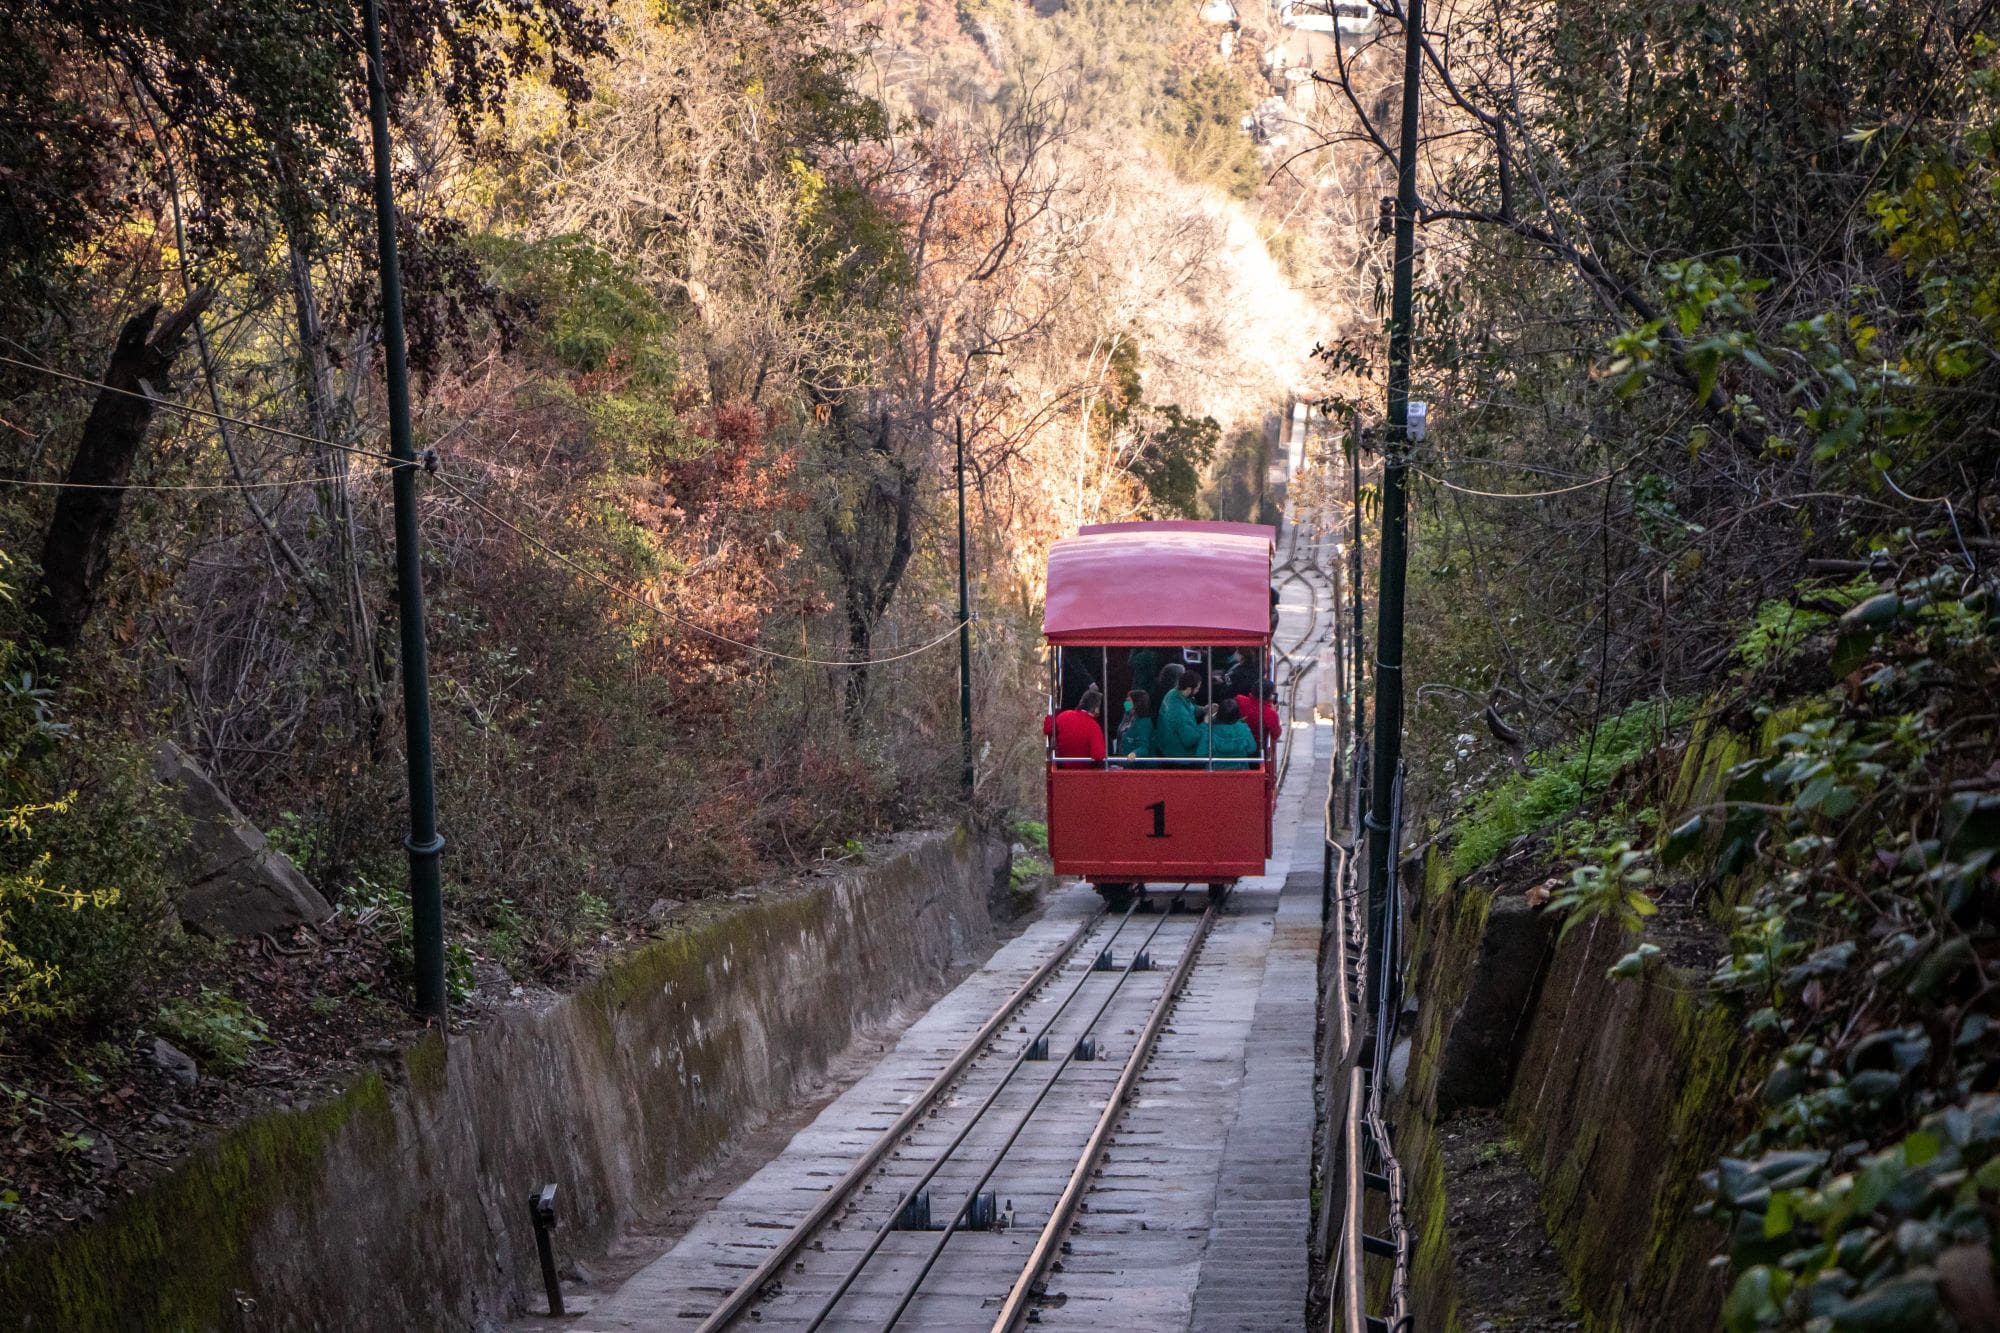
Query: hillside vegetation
x,y
699,296
1706,318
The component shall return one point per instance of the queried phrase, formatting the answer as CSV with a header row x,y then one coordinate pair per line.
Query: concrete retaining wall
x,y
401,1203
1618,1093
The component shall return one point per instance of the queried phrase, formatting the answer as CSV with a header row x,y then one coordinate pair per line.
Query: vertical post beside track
x,y
1395,530
964,623
424,844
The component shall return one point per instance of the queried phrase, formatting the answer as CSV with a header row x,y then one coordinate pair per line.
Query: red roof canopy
x,y
1133,584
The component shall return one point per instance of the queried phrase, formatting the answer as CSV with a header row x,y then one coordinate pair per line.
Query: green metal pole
x,y
1395,531
964,619
1357,668
423,843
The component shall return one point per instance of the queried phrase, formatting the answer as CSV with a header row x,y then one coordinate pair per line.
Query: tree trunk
x,y
884,514
76,552
860,639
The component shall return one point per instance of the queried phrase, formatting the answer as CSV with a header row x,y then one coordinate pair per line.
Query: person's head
x,y
1140,703
1170,678
1227,711
1091,702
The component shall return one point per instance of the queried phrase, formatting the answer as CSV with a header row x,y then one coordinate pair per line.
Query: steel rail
x,y
855,1269
993,1163
1015,1306
747,1291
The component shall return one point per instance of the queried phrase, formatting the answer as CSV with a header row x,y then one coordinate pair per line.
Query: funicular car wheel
x,y
1117,897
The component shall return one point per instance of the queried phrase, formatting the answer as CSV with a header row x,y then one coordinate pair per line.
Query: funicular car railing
x,y
1366,1156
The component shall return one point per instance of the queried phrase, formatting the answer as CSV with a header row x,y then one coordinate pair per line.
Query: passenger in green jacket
x,y
1135,733
1177,732
1229,736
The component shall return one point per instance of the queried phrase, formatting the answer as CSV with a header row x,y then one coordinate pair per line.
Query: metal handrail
x,y
1366,1151
1121,763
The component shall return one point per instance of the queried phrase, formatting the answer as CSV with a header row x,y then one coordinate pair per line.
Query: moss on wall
x,y
1444,953
213,1204
1623,1092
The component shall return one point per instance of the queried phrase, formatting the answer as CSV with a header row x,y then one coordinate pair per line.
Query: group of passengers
x,y
1225,716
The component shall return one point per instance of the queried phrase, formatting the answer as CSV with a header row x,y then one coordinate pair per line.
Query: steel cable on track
x,y
748,1291
860,1264
1015,1305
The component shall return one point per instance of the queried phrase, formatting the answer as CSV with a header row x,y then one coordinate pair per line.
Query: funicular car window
x,y
1185,707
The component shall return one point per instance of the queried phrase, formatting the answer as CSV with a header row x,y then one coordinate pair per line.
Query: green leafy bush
x,y
1030,833
386,911
1866,835
1610,883
1780,626
83,887
1558,784
101,844
218,1030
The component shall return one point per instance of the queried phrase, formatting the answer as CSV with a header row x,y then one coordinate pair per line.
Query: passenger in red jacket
x,y
1077,732
1264,723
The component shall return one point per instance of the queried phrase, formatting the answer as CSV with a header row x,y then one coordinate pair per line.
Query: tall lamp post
x,y
964,620
424,844
1395,522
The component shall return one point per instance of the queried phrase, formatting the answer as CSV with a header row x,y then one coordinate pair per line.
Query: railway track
x,y
958,1208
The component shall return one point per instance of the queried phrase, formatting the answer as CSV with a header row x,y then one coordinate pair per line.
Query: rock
x,y
176,1063
101,1154
236,882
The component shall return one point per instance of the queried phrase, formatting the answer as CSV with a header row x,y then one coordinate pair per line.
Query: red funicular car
x,y
1126,602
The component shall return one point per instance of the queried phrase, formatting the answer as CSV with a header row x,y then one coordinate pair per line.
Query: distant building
x,y
1326,15
1219,11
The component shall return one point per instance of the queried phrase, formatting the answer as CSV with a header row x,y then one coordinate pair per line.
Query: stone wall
x,y
401,1203
1618,1093
1622,1096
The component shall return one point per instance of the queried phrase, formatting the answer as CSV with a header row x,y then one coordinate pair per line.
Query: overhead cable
x,y
1514,495
203,413
539,543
